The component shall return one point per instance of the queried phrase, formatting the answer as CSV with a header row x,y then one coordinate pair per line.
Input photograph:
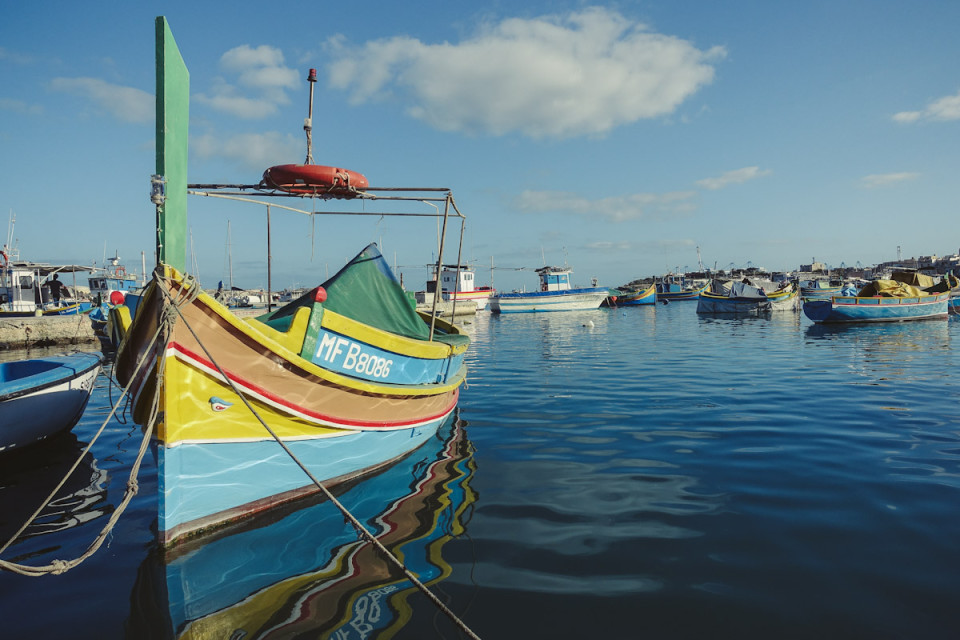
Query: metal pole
x,y
269,267
456,284
443,237
308,123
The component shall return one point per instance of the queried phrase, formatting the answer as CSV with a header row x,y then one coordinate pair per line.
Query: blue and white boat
x,y
555,295
883,301
42,397
109,288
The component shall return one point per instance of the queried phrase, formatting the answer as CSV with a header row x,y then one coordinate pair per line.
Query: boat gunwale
x,y
18,393
210,306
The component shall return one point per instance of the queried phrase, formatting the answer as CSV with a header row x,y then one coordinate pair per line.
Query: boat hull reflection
x,y
307,572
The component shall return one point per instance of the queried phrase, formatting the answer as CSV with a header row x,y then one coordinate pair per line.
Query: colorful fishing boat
x,y
555,294
41,397
893,300
630,298
745,298
671,290
340,382
320,581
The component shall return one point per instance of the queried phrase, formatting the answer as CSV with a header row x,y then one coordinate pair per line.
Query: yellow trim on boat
x,y
294,357
388,341
293,337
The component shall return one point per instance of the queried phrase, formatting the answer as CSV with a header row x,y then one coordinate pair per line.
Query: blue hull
x,y
846,309
230,465
42,397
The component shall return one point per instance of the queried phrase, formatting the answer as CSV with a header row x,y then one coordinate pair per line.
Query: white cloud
x,y
613,209
126,103
582,73
259,83
251,150
245,57
605,246
16,58
18,106
946,108
226,99
737,176
886,179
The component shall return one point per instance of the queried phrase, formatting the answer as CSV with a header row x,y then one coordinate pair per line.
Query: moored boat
x,y
893,300
555,294
254,413
41,397
669,290
457,284
745,298
630,298
325,581
820,289
26,289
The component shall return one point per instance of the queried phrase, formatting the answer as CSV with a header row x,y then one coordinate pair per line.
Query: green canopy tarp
x,y
364,290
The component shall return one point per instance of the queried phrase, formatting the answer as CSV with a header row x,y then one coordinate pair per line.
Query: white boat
x,y
457,284
555,295
41,397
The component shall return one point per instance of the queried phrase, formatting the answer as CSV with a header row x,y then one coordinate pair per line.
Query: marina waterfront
x,y
616,473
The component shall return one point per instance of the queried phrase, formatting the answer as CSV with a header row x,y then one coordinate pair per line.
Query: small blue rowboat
x,y
42,397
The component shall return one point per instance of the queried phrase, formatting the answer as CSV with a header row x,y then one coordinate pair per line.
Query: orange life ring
x,y
314,179
121,271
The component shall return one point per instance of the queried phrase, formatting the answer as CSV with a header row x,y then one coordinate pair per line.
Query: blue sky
x,y
614,137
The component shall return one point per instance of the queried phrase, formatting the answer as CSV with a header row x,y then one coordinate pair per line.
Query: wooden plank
x,y
173,113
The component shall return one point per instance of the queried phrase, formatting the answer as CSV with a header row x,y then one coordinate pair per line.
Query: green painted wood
x,y
173,112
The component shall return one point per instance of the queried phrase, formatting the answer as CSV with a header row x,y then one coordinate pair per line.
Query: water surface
x,y
620,473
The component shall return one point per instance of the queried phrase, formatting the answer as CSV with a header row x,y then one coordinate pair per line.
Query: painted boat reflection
x,y
306,572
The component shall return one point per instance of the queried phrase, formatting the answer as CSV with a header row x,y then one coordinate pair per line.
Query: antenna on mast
x,y
308,121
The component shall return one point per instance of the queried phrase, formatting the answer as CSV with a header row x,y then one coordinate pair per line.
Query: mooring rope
x,y
61,566
357,525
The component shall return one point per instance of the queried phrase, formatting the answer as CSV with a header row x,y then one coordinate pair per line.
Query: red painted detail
x,y
314,178
117,297
320,295
187,355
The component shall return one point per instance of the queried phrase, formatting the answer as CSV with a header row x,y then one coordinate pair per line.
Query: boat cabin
x,y
24,289
554,278
20,290
109,279
453,278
